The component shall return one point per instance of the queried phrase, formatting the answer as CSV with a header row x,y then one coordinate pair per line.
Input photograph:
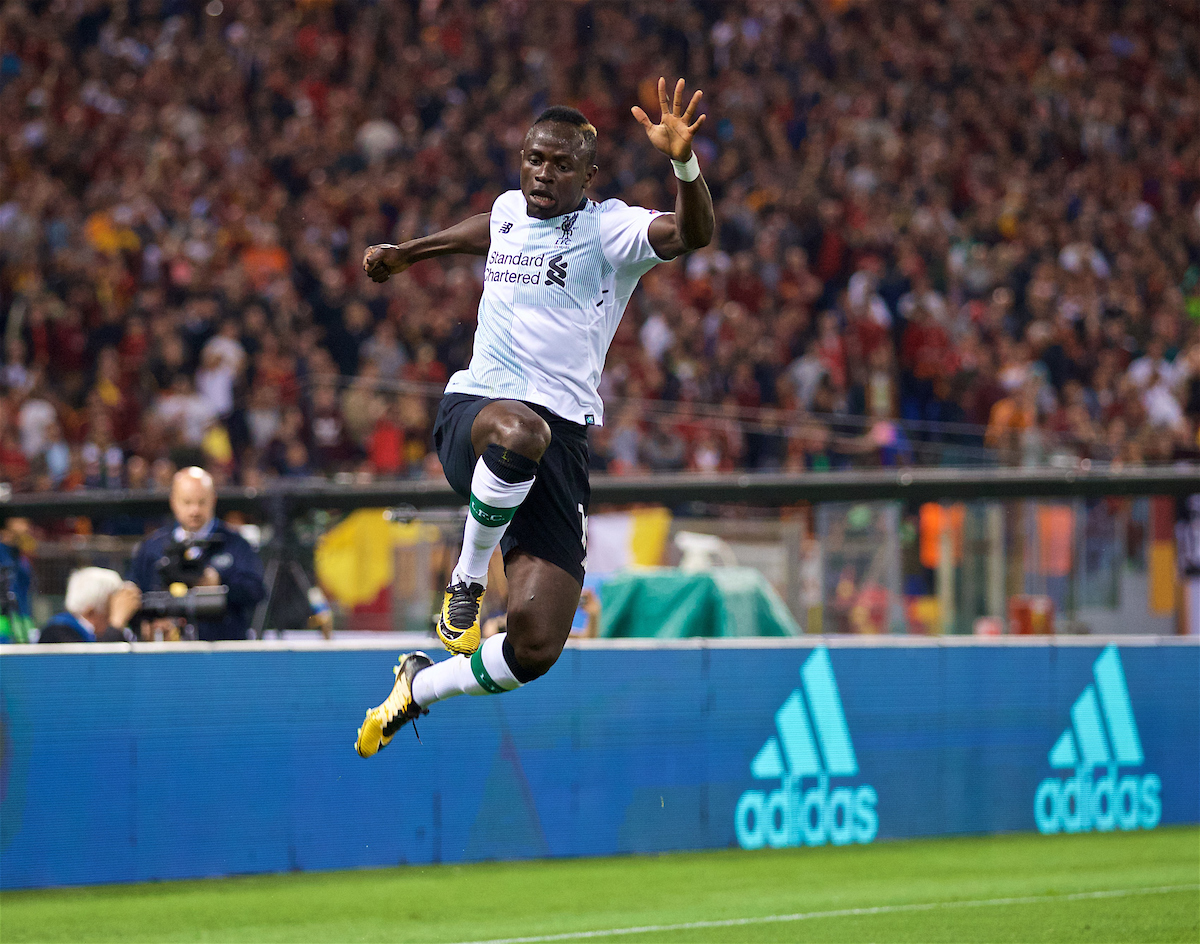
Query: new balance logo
x,y
1102,735
800,749
505,227
558,271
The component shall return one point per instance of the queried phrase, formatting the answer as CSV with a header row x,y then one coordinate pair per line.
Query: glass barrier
x,y
1100,566
985,567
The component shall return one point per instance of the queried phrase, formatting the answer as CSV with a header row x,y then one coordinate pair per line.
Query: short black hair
x,y
564,114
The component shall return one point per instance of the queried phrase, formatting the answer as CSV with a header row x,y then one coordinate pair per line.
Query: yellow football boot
x,y
458,623
383,721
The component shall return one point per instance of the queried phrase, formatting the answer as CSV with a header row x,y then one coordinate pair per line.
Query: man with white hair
x,y
99,606
207,551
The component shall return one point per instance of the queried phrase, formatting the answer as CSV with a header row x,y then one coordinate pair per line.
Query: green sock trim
x,y
481,674
489,516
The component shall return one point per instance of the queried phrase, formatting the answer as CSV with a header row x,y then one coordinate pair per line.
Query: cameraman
x,y
201,551
15,574
98,608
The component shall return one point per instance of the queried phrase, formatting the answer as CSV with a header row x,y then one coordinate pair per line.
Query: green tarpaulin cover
x,y
669,604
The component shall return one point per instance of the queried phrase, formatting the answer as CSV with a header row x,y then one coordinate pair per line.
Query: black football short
x,y
550,522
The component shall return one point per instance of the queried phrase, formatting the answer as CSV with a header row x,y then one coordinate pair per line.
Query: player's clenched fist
x,y
381,262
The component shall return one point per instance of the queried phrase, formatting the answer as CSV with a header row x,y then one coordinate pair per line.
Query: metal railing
x,y
919,441
758,489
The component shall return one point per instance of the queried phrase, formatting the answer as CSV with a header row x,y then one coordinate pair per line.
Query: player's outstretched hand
x,y
676,128
382,262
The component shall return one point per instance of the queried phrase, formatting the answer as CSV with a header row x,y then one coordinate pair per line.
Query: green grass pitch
x,y
1121,887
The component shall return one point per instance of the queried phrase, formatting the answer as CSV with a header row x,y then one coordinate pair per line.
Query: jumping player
x,y
511,430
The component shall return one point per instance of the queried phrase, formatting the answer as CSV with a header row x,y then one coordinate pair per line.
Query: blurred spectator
x,y
185,412
36,418
98,608
383,350
333,449
385,444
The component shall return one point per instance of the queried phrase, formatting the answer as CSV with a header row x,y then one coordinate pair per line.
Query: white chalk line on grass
x,y
842,913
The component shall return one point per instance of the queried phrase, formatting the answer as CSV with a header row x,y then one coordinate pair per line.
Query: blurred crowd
x,y
957,231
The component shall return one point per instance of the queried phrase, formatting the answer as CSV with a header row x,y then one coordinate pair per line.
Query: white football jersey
x,y
553,294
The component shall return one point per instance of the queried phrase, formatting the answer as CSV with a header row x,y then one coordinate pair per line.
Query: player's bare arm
x,y
471,237
691,225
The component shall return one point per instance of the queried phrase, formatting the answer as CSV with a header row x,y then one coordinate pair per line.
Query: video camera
x,y
185,561
14,625
196,604
181,567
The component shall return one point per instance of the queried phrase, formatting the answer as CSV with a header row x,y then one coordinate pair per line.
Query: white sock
x,y
485,672
445,679
493,504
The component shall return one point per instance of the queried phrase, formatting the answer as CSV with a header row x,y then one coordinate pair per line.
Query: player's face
x,y
554,171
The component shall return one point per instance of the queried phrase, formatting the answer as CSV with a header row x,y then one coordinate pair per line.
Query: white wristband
x,y
687,170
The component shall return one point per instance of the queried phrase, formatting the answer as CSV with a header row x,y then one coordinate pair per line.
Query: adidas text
x,y
1080,804
786,817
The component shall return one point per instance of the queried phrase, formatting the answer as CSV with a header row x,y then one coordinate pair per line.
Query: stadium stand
x,y
948,232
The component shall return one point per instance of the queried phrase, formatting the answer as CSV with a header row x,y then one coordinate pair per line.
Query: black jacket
x,y
234,559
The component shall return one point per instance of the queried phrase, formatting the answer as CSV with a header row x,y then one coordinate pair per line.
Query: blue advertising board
x,y
121,766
